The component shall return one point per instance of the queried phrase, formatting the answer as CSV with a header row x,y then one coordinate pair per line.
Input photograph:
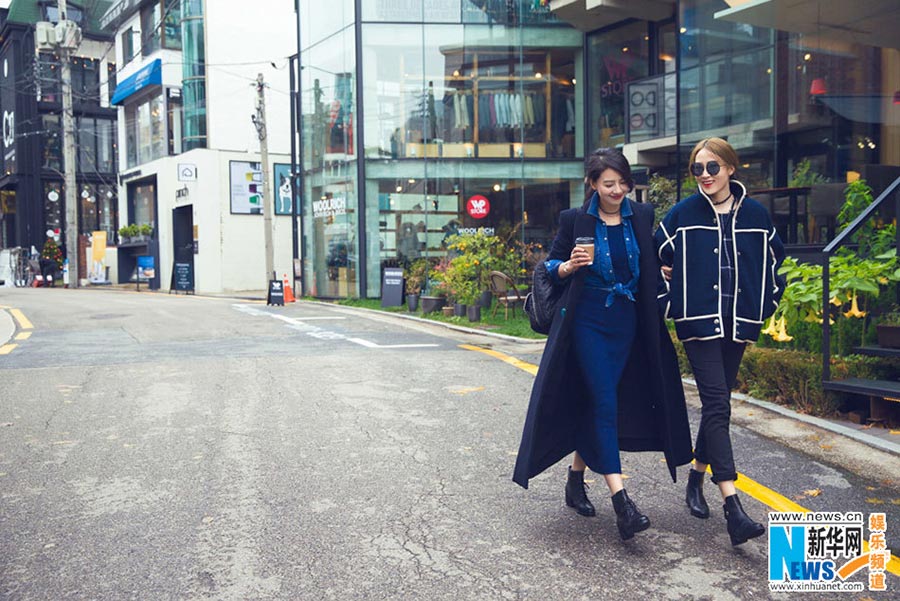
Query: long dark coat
x,y
652,414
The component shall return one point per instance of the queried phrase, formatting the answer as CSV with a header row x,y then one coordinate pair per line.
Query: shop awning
x,y
148,75
873,23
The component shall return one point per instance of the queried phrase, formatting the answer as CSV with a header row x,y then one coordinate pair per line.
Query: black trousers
x,y
715,365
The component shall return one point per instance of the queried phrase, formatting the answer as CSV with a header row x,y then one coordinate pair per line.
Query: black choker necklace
x,y
607,212
723,201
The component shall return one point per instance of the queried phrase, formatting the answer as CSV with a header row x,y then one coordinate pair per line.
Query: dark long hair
x,y
606,158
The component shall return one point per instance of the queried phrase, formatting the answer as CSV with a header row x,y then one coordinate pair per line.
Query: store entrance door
x,y
183,237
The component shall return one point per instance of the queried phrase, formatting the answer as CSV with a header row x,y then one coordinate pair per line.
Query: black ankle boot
x,y
740,527
694,497
628,518
576,496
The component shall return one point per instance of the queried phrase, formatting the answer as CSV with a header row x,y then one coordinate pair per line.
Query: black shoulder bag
x,y
540,303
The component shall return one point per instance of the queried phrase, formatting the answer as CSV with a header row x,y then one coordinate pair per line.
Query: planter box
x,y
431,304
888,336
459,310
485,300
447,310
474,313
412,302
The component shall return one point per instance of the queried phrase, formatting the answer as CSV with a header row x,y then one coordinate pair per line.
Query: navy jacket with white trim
x,y
689,238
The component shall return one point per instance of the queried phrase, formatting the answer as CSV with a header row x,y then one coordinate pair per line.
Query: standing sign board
x,y
392,287
182,277
276,293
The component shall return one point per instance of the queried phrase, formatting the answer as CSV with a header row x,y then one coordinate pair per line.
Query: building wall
x,y
237,49
231,247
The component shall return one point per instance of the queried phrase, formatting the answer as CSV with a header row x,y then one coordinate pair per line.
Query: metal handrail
x,y
826,284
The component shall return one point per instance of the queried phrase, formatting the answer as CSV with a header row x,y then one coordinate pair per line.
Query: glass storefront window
x,y
48,80
329,129
618,56
52,150
417,217
111,80
87,217
85,80
53,206
151,35
172,25
440,98
727,86
145,126
87,144
142,203
108,211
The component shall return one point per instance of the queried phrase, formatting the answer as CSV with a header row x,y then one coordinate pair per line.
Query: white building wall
x,y
231,248
238,47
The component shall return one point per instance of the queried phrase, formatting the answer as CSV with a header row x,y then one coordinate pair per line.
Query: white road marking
x,y
368,344
297,323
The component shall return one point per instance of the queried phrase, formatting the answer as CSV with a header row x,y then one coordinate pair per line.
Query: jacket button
x,y
739,290
739,253
718,330
716,250
715,286
562,311
716,320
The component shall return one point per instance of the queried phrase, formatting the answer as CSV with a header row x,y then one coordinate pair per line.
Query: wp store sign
x,y
478,207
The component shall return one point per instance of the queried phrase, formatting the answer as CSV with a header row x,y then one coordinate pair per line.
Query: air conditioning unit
x,y
44,35
68,34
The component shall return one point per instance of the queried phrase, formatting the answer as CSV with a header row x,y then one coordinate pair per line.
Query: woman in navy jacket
x,y
720,256
608,379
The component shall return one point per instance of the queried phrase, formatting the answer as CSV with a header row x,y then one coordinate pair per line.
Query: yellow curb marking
x,y
532,369
23,335
761,493
7,348
24,324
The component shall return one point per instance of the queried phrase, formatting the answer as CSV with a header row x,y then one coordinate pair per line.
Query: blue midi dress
x,y
604,330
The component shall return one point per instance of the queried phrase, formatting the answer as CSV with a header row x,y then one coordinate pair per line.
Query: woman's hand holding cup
x,y
582,254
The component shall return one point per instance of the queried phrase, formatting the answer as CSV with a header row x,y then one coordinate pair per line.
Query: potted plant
x,y
437,288
145,229
888,329
415,273
468,294
129,234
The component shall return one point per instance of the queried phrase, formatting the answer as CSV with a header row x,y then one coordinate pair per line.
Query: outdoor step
x,y
877,351
887,389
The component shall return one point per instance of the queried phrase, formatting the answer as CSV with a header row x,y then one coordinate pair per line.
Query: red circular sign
x,y
478,207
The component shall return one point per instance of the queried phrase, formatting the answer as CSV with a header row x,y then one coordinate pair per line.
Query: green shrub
x,y
794,378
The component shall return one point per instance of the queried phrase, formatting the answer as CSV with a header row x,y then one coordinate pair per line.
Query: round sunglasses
x,y
712,168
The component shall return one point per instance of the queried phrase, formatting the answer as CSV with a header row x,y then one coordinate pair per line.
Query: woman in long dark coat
x,y
609,378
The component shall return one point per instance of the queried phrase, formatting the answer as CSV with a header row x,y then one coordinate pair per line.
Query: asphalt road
x,y
163,447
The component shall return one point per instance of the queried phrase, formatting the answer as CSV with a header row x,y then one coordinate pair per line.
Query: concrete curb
x,y
853,434
7,327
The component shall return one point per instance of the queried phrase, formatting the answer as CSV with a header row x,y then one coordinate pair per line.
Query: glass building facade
x,y
410,108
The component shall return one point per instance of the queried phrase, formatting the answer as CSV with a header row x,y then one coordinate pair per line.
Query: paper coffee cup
x,y
587,243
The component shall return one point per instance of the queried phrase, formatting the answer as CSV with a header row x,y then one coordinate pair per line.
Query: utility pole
x,y
259,120
68,35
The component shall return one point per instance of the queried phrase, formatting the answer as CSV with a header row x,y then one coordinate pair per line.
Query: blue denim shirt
x,y
601,274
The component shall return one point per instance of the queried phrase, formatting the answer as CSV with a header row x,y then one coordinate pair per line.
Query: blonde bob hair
x,y
718,147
